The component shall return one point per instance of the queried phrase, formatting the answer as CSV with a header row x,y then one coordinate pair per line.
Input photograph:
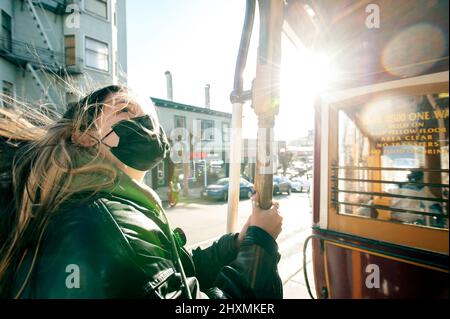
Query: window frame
x,y
106,2
422,237
86,38
178,117
4,29
8,92
202,130
161,182
227,125
67,47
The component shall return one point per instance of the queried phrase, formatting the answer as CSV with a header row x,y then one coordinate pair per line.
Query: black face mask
x,y
140,147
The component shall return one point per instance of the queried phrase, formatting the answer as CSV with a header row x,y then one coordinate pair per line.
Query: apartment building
x,y
206,132
51,48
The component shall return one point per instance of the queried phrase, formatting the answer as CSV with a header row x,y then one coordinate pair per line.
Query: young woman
x,y
76,221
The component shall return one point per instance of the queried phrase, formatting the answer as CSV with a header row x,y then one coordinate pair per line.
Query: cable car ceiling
x,y
410,40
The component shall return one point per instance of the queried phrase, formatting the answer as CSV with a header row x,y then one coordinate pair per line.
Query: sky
x,y
198,41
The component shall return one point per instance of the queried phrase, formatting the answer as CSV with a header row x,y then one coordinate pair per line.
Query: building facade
x,y
203,136
53,50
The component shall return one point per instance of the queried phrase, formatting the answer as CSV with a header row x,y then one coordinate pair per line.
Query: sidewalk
x,y
291,243
290,266
295,286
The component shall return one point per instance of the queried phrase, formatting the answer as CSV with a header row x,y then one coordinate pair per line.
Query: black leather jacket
x,y
117,247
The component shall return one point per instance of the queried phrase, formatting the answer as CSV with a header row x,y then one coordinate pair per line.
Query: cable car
x,y
380,213
380,185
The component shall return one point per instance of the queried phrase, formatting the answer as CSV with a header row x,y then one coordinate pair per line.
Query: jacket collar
x,y
135,191
124,187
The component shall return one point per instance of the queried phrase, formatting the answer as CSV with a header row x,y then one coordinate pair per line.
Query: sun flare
x,y
304,76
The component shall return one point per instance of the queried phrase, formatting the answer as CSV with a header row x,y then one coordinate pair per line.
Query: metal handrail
x,y
388,182
60,2
383,194
238,95
237,113
57,6
393,209
31,53
367,168
38,56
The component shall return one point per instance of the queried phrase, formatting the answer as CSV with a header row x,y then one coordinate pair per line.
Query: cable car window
x,y
393,160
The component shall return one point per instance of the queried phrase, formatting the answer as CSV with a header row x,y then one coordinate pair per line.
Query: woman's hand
x,y
269,220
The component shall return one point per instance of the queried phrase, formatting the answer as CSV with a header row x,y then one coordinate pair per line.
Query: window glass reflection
x,y
393,160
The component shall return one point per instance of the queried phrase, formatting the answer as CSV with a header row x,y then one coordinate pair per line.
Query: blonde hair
x,y
43,170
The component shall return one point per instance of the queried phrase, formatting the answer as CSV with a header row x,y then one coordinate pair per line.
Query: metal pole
x,y
169,85
207,96
206,173
264,161
235,167
237,100
266,94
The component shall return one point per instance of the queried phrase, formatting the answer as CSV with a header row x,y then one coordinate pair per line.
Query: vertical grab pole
x,y
235,167
237,99
266,94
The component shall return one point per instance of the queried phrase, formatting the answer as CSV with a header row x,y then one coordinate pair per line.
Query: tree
x,y
285,158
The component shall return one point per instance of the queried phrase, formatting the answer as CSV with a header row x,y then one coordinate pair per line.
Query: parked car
x,y
300,184
281,184
219,190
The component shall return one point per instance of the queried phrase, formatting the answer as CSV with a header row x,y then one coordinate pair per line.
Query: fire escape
x,y
33,58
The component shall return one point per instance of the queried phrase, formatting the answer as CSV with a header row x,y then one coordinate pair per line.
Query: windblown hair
x,y
39,163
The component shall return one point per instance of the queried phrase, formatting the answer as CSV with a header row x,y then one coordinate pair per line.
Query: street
x,y
205,221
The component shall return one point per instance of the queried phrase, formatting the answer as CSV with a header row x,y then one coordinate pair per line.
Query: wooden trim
x,y
317,152
419,85
324,158
327,276
431,239
356,275
367,251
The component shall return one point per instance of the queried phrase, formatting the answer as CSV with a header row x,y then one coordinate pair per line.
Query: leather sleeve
x,y
226,271
254,273
208,262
